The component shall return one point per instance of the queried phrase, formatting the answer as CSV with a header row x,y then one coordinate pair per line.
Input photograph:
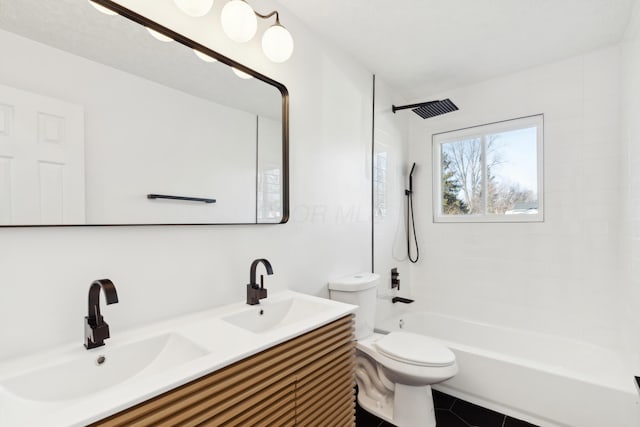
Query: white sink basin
x,y
268,316
66,387
84,374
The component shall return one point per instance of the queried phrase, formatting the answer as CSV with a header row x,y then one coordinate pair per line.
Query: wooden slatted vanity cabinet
x,y
306,381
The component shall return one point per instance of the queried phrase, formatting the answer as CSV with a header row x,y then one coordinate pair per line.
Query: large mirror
x,y
103,124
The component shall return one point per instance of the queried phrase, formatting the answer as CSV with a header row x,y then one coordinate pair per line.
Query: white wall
x,y
165,271
630,179
560,276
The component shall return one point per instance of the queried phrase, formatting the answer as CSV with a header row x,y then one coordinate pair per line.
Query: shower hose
x,y
411,225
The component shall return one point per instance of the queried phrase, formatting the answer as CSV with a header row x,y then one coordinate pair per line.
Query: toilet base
x,y
406,406
413,406
377,408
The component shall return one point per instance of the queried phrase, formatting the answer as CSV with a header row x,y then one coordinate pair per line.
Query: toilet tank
x,y
358,289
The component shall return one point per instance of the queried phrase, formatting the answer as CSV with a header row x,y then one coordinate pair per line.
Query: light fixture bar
x,y
269,15
239,23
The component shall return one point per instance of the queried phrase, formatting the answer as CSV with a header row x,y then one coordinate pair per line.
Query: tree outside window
x,y
490,172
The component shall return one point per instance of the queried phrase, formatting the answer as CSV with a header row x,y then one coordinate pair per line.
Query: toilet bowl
x,y
394,372
410,358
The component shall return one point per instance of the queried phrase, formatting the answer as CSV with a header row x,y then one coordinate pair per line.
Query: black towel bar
x,y
189,199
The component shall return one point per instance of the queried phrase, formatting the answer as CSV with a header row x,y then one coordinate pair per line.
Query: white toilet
x,y
394,372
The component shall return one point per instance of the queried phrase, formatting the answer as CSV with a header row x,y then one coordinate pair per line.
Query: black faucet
x,y
254,292
96,329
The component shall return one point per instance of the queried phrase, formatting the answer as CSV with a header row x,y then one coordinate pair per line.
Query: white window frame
x,y
479,132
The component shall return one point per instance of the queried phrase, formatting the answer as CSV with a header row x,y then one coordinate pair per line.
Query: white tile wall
x,y
560,276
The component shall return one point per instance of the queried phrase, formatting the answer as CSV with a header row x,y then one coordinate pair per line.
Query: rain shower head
x,y
429,109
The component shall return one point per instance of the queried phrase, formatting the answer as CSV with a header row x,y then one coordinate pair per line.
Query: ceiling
x,y
423,47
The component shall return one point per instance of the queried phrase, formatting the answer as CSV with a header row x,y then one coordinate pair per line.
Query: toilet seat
x,y
415,349
405,371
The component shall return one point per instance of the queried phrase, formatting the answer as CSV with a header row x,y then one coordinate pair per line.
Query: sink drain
x,y
100,360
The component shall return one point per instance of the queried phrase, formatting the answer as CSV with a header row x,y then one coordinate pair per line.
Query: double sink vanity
x,y
214,366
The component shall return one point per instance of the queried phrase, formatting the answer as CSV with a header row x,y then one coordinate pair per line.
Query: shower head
x,y
429,109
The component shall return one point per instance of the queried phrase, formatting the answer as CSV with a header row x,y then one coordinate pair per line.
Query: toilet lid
x,y
415,349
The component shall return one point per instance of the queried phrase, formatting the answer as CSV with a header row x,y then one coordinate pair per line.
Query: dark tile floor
x,y
451,412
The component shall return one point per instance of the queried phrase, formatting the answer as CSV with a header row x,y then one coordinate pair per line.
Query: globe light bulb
x,y
204,56
102,9
239,21
159,36
277,43
195,8
241,74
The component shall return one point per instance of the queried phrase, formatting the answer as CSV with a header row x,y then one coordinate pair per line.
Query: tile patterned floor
x,y
451,412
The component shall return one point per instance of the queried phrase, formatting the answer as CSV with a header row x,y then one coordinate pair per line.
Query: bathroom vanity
x,y
305,381
286,361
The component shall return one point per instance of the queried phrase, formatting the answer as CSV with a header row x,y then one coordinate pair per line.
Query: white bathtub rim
x,y
622,381
475,322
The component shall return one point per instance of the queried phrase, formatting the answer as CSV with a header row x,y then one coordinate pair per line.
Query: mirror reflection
x,y
98,117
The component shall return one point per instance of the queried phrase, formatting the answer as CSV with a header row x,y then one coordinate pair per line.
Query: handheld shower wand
x,y
411,224
411,177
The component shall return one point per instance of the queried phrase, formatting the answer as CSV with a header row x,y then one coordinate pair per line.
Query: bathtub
x,y
543,379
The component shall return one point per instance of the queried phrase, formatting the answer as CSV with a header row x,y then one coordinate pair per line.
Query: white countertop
x,y
222,342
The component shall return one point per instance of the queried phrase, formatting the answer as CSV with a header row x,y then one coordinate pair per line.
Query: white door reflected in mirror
x,y
41,159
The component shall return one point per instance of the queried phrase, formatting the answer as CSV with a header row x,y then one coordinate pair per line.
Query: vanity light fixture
x,y
102,9
277,42
158,36
195,8
240,24
239,21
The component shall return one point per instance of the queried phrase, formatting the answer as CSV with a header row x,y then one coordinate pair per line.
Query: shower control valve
x,y
395,281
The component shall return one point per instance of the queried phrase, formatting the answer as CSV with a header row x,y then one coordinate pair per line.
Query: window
x,y
489,173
